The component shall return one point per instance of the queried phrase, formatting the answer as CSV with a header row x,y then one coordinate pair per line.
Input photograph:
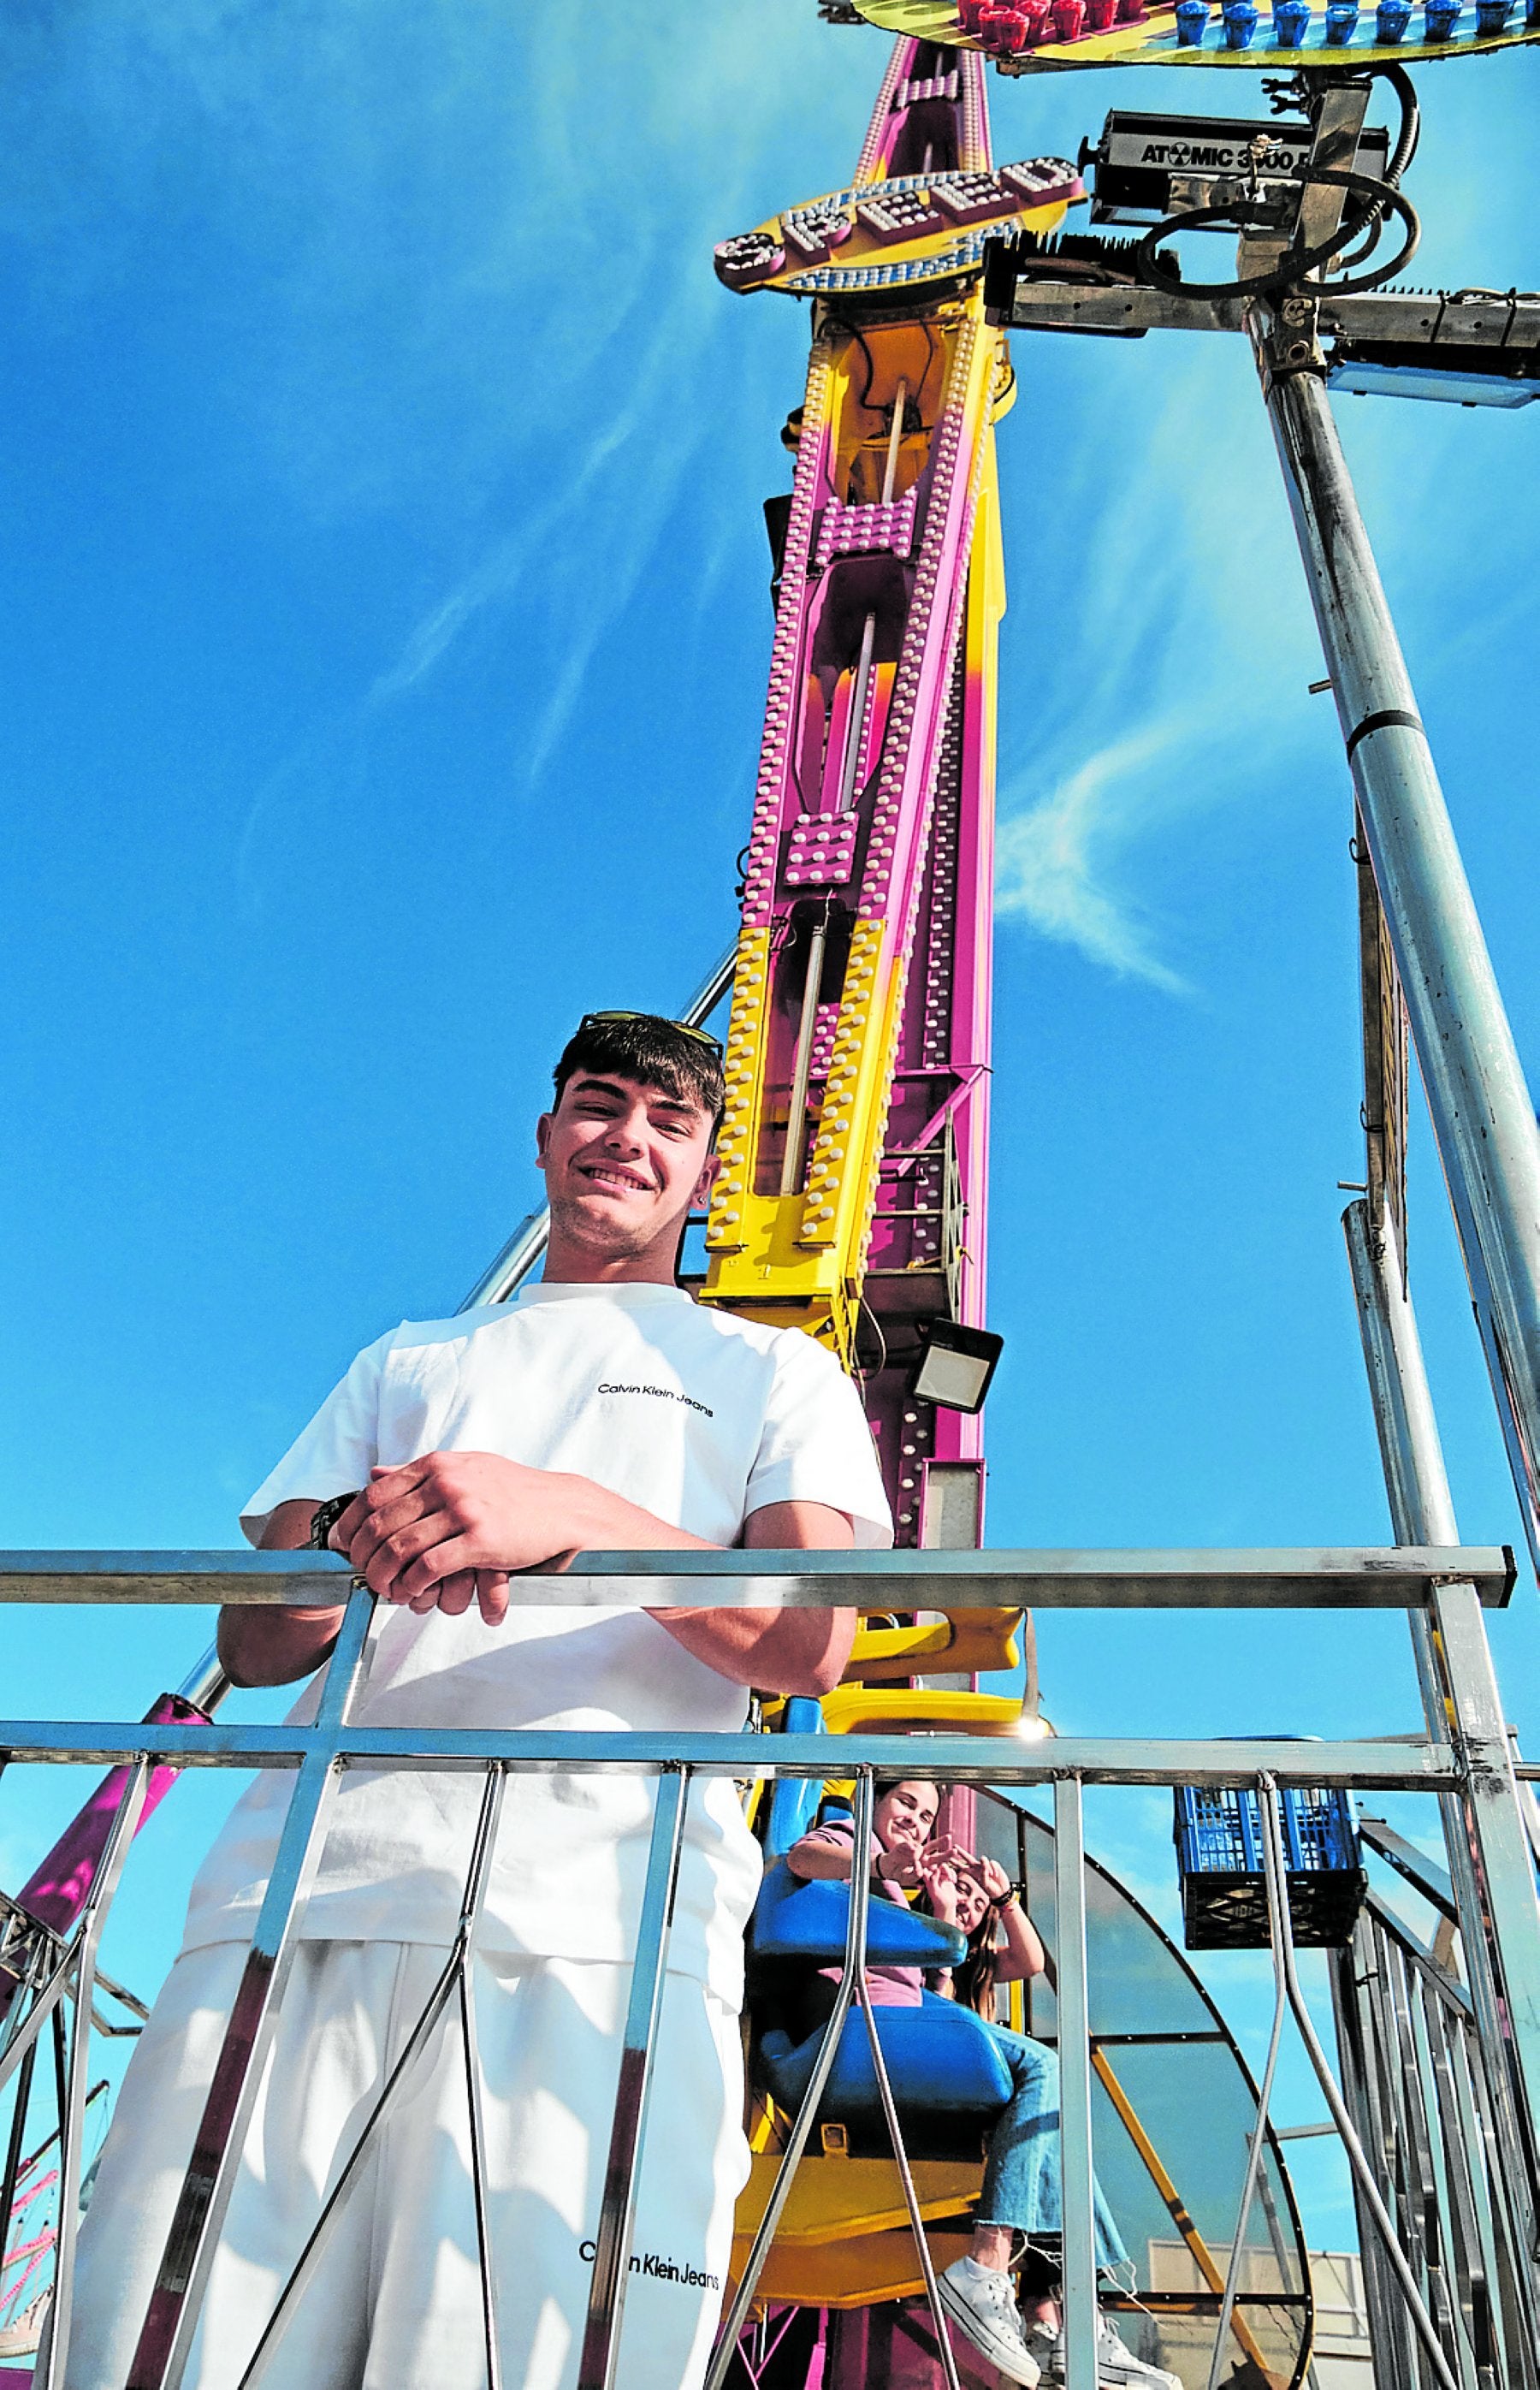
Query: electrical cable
x,y
1382,193
1411,121
1401,157
1295,264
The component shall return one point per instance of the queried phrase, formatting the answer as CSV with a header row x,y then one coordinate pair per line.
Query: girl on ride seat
x,y
1019,2203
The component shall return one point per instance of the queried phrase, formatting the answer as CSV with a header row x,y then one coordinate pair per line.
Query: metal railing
x,y
1443,1583
1412,2067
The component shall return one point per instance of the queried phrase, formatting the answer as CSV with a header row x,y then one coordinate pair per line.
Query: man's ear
x,y
543,1139
710,1171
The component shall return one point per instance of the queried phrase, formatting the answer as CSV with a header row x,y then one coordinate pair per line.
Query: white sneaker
x,y
982,2305
1117,2367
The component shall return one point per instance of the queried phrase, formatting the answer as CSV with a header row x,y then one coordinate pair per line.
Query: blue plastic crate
x,y
1218,1837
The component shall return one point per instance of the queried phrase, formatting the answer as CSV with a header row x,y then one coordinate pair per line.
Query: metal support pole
x,y
1491,1866
907,2180
1255,2157
451,1977
165,2340
72,2117
823,2067
1369,2193
1482,1116
1074,2086
602,2340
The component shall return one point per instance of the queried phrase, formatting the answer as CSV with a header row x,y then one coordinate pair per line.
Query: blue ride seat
x,y
948,2077
806,1923
794,1799
943,2062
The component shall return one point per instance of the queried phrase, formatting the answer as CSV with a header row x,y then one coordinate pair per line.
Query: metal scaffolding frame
x,y
1486,2245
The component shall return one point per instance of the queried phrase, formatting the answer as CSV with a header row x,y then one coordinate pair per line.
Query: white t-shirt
x,y
697,1416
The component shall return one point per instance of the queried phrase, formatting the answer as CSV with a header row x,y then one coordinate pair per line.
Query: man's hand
x,y
447,1530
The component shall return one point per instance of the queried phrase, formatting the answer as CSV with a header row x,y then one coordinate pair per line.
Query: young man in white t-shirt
x,y
600,1410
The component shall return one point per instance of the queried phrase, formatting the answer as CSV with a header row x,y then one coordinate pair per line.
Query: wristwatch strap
x,y
326,1518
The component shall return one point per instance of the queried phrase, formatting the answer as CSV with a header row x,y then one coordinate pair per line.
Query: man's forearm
x,y
777,1651
275,1646
506,1519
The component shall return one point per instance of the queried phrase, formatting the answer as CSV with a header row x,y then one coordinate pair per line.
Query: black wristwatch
x,y
326,1518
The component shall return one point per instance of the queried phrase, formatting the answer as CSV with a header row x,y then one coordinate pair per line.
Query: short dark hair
x,y
654,1051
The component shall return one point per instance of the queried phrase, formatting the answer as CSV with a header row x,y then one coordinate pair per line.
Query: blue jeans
x,y
1022,2185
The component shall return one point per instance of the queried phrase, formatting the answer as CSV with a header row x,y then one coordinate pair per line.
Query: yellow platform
x,y
844,2240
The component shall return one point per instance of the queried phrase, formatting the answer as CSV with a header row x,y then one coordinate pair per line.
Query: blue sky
x,y
382,626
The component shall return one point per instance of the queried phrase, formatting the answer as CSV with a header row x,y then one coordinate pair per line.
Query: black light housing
x,y
955,1366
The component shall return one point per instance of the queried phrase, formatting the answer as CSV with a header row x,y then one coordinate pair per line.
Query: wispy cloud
x,y
1053,861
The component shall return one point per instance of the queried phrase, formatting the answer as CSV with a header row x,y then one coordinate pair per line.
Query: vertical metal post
x,y
1277,1894
1355,2008
72,2121
1074,2086
452,1976
1482,1116
166,2340
601,2339
1491,1866
823,2067
1255,2155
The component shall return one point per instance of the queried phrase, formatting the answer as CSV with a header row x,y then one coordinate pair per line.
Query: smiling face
x,y
624,1162
972,1903
902,1818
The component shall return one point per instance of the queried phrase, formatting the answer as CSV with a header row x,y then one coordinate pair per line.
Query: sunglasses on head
x,y
686,1029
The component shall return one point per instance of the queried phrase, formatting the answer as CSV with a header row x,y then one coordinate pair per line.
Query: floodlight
x,y
955,1366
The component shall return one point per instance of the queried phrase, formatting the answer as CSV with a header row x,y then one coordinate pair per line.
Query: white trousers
x,y
397,2302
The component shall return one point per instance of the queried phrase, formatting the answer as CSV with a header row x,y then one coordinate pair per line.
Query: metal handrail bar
x,y
1315,1576
1425,1876
1415,1765
1418,1955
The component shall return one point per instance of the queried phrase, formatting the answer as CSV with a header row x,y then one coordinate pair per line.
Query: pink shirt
x,y
892,1987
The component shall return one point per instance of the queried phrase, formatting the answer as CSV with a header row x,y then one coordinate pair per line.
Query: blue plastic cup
x,y
1240,23
1440,19
1491,16
1192,16
1391,20
1290,19
1342,23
